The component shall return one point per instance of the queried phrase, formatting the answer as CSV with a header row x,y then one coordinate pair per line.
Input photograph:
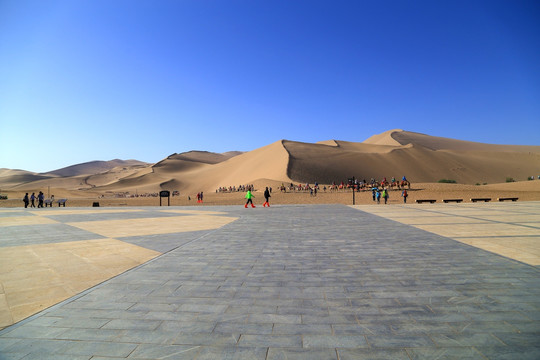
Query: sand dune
x,y
422,158
93,167
10,178
400,137
267,162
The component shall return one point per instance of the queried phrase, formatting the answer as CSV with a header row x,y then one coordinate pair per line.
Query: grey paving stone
x,y
146,337
153,351
29,331
300,329
214,339
59,357
421,327
188,327
372,354
398,341
232,353
301,354
136,324
241,328
450,353
483,327
96,216
78,334
270,340
511,352
518,339
54,321
526,326
465,340
43,234
274,318
304,282
334,341
97,348
362,329
100,305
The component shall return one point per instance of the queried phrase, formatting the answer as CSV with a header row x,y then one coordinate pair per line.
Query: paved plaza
x,y
441,281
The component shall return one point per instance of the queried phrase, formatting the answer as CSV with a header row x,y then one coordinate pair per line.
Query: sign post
x,y
353,185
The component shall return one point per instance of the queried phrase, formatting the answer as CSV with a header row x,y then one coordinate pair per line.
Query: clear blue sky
x,y
105,79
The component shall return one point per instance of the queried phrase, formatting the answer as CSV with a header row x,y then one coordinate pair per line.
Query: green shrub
x,y
509,179
447,181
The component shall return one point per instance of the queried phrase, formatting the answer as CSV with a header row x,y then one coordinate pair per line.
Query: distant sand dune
x,y
422,158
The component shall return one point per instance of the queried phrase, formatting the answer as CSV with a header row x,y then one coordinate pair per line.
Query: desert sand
x,y
479,170
523,190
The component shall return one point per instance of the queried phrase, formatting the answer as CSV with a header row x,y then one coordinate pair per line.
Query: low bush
x,y
447,181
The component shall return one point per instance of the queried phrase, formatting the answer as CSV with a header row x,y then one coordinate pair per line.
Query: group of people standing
x,y
377,194
200,197
30,200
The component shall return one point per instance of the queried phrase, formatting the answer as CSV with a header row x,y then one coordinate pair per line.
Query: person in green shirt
x,y
249,197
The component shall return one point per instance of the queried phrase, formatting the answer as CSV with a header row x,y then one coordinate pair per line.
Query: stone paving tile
x,y
399,341
154,351
511,352
301,354
298,282
44,234
450,353
334,341
464,340
164,242
212,339
232,353
372,354
270,340
99,216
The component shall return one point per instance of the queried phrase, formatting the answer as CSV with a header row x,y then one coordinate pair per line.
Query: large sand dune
x,y
422,158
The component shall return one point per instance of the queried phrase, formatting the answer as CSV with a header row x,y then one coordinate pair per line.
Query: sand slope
x,y
422,158
94,167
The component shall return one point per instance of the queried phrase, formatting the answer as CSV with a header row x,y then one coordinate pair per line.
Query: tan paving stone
x,y
194,212
457,229
25,220
510,230
421,220
152,226
35,277
6,318
63,211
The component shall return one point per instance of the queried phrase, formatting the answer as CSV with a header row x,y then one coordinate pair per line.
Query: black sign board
x,y
167,194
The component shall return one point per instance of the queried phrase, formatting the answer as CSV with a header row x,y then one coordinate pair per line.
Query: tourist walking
x,y
25,200
32,199
385,195
266,197
378,195
249,197
404,195
40,197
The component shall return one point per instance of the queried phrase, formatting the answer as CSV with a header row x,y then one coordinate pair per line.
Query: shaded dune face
x,y
422,158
